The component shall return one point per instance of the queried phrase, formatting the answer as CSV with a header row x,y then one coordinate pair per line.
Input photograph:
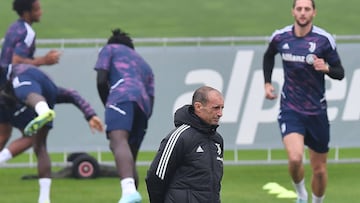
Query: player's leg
x,y
318,143
122,153
39,94
294,145
20,119
125,165
293,131
5,133
20,145
119,120
134,151
319,175
137,135
45,114
44,164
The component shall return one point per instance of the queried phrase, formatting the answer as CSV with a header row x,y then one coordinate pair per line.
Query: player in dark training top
x,y
308,56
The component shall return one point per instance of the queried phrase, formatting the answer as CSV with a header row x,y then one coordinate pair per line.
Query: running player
x,y
19,42
125,84
308,54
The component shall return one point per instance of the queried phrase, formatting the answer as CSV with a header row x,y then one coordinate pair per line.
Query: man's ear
x,y
197,106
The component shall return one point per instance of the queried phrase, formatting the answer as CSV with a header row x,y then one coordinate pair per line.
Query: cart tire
x,y
85,167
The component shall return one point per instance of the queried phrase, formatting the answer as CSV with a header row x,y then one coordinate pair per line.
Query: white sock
x,y
316,199
128,186
301,190
5,155
41,107
45,184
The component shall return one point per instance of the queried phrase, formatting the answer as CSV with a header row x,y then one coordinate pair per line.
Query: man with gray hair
x,y
188,166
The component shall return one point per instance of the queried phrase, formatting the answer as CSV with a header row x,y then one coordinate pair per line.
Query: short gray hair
x,y
201,94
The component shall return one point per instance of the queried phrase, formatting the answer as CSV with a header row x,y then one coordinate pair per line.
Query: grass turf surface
x,y
186,18
240,184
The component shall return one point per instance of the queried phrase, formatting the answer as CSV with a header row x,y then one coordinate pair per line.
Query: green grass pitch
x,y
240,184
186,18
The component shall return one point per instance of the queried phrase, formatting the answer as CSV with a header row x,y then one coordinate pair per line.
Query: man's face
x,y
303,12
212,111
35,12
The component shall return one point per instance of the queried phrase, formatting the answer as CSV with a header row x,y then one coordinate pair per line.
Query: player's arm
x,y
152,99
52,57
336,71
268,66
72,96
102,85
162,169
151,92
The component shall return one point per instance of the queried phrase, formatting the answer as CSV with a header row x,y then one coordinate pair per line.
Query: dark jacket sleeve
x,y
336,71
162,169
72,96
102,85
269,62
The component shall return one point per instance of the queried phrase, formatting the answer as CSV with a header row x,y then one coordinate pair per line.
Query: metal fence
x,y
165,41
335,156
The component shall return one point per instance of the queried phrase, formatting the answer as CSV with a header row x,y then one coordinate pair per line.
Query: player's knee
x,y
295,159
319,172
